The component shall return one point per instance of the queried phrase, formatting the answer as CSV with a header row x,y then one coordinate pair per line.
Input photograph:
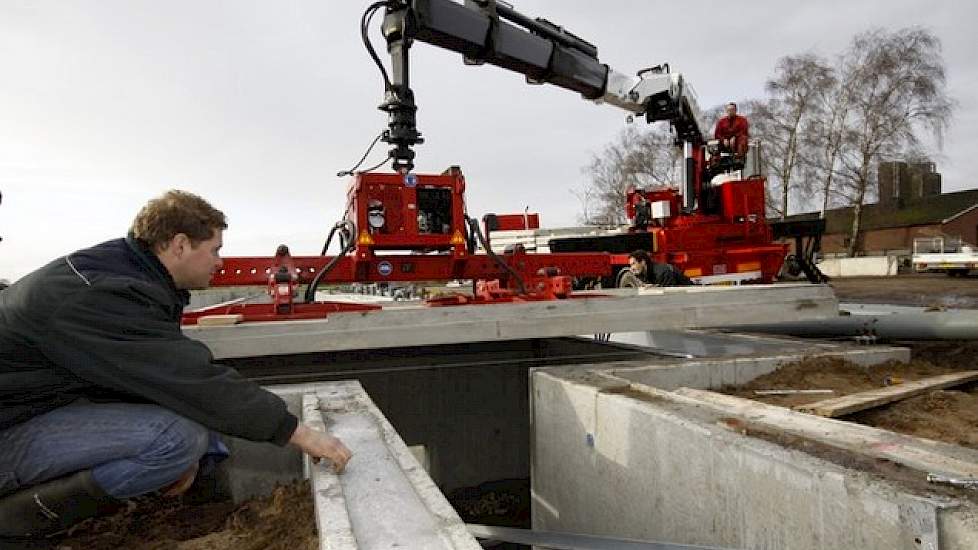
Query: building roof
x,y
934,209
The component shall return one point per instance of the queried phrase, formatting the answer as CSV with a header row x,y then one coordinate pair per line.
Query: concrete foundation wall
x,y
610,460
466,405
716,373
471,422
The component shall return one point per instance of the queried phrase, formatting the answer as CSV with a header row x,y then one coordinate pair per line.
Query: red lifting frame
x,y
254,271
405,248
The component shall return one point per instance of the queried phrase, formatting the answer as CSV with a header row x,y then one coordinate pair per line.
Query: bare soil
x,y
911,290
284,520
949,415
504,503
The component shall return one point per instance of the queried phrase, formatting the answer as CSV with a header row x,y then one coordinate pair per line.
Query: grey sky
x,y
256,106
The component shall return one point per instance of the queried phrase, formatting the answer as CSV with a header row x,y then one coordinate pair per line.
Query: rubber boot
x,y
52,506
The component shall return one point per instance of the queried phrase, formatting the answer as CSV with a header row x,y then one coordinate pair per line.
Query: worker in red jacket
x,y
732,131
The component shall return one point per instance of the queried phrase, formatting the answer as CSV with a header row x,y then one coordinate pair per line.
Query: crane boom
x,y
487,31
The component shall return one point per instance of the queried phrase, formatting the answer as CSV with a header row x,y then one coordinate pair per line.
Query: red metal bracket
x,y
268,312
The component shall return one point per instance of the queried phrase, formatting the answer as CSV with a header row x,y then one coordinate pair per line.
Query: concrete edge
x,y
918,513
916,453
333,513
327,492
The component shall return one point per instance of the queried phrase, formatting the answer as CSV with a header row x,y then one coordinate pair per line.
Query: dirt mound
x,y
958,354
944,415
832,373
949,415
283,520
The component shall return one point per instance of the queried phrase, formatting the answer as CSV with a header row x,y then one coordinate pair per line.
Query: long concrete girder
x,y
384,499
622,310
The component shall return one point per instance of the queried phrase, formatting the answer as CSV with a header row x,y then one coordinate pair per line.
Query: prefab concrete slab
x,y
384,499
621,310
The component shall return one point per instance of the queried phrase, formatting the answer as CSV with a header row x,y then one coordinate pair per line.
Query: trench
x,y
468,413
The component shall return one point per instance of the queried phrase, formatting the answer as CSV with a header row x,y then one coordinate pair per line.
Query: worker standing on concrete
x,y
733,132
102,397
643,271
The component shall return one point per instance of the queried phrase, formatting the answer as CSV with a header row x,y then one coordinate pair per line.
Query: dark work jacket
x,y
104,324
664,275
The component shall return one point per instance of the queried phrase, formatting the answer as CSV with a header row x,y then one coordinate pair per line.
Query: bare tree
x,y
793,94
824,136
584,195
897,88
637,158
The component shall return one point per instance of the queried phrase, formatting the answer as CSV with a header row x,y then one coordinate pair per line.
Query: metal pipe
x,y
931,325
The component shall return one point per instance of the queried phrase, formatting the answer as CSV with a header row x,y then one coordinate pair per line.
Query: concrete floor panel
x,y
620,310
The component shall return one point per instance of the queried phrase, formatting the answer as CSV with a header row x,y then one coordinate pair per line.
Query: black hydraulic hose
x,y
364,27
329,238
474,226
353,170
378,165
470,243
348,246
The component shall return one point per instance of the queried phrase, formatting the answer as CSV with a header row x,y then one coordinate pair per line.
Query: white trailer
x,y
944,254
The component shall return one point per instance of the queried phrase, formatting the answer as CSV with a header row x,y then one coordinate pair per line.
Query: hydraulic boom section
x,y
487,31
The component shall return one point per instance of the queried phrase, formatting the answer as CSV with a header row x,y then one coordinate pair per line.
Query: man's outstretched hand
x,y
320,445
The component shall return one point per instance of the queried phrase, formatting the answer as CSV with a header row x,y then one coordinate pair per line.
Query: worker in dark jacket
x,y
643,271
102,397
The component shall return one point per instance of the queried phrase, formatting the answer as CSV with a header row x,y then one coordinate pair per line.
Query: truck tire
x,y
627,279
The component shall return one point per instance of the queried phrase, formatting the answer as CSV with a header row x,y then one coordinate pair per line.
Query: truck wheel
x,y
627,279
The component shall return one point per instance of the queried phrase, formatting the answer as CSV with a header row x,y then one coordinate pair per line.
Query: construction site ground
x,y
285,519
910,290
282,521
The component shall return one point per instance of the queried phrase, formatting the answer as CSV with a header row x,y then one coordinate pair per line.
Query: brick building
x,y
911,205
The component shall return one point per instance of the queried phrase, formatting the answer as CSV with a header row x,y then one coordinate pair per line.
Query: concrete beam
x,y
654,471
622,310
384,499
924,455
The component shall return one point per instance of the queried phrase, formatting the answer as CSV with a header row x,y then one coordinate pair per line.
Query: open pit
x,y
628,435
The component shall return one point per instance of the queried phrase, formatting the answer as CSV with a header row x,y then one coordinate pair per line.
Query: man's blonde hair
x,y
176,212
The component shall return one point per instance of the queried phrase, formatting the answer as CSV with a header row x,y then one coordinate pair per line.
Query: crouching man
x,y
102,397
642,271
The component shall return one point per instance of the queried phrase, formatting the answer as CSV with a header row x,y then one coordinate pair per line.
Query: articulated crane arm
x,y
487,31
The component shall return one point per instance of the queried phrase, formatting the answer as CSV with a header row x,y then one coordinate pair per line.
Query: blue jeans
x,y
131,449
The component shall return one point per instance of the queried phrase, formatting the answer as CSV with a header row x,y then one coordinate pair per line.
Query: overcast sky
x,y
256,106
